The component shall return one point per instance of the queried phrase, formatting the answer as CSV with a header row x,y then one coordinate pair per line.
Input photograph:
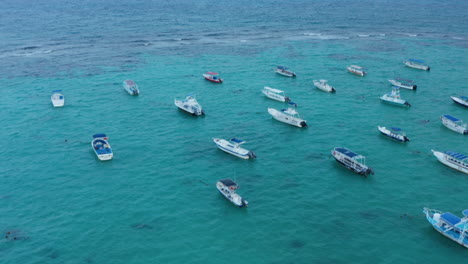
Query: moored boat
x,y
454,124
288,116
285,71
403,83
212,77
190,105
461,100
394,98
233,147
358,70
453,159
131,87
351,160
449,225
227,188
275,94
394,133
102,147
417,64
324,86
57,98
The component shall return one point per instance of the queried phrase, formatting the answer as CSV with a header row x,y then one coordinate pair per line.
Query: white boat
x,y
449,225
462,100
275,94
228,188
288,116
417,64
358,70
394,98
453,159
393,133
285,71
403,83
57,98
212,77
190,105
351,160
233,147
454,124
131,87
102,147
324,86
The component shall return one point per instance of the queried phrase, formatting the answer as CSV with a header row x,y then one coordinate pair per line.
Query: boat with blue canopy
x,y
449,225
395,133
285,71
461,100
454,124
403,83
233,147
453,160
417,64
57,98
102,147
351,160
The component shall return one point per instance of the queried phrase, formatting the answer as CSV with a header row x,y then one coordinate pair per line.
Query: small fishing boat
x,y
233,147
358,70
131,87
454,124
275,94
403,83
285,71
190,105
453,159
102,147
449,225
324,86
288,116
394,133
227,188
417,64
212,77
351,161
394,98
462,100
57,98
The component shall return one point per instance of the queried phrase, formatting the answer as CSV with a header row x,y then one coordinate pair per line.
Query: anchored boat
x,y
454,124
351,161
462,100
57,98
190,105
233,147
102,147
449,225
131,87
324,86
227,188
285,71
394,98
212,77
417,64
275,94
288,116
358,70
394,133
403,83
452,159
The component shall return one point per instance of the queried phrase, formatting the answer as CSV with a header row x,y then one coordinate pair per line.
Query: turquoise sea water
x,y
156,201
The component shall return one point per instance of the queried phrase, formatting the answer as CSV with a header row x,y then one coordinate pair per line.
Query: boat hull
x,y
398,84
286,118
225,146
454,127
397,102
359,73
276,97
459,101
188,108
417,66
325,88
285,73
442,158
384,131
210,78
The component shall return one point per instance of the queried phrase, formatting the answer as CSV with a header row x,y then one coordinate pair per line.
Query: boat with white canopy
x,y
404,83
275,94
190,105
449,225
288,116
212,77
358,70
227,188
324,86
394,98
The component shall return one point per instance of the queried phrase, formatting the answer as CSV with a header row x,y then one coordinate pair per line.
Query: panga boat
x,y
228,188
449,225
358,70
212,77
454,124
131,87
324,86
275,94
394,133
403,83
394,98
453,159
285,71
462,100
351,161
102,147
57,98
233,147
190,105
288,116
417,64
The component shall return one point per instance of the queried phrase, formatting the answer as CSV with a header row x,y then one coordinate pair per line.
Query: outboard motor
x,y
245,203
408,104
286,99
303,124
369,171
415,87
252,155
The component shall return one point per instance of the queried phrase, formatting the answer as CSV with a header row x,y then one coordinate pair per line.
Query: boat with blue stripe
x,y
102,147
453,160
449,225
454,124
417,64
233,147
461,100
395,133
351,160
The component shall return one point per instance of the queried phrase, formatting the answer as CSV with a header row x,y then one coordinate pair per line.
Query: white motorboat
x,y
190,105
228,188
358,70
454,124
351,160
275,94
102,147
324,86
452,159
462,100
417,64
394,98
288,116
212,77
285,71
394,133
449,225
233,147
403,83
131,87
57,98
